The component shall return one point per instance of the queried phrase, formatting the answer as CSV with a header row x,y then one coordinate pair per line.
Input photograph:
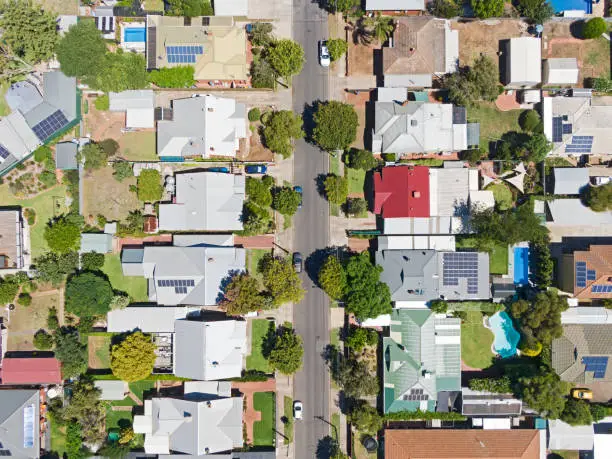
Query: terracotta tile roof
x,y
402,191
31,371
599,259
463,444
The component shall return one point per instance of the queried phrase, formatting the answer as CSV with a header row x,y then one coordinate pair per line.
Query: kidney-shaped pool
x,y
506,337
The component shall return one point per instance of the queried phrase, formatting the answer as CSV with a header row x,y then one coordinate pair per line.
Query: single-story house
x,y
561,71
523,63
231,8
204,201
23,96
570,180
112,390
20,423
586,315
440,242
12,240
31,371
484,404
147,319
96,242
421,361
587,274
66,156
202,126
138,105
570,217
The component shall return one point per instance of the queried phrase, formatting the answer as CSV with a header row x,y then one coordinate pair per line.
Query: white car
x,y
297,409
324,58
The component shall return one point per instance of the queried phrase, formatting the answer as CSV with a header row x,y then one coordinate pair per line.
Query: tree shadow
x,y
315,261
308,118
327,448
577,29
267,345
320,184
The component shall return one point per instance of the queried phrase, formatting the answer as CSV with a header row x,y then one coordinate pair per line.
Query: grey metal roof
x,y
570,180
148,319
232,8
125,100
394,5
23,96
17,136
96,242
15,429
473,134
112,390
571,212
66,155
481,403
209,350
60,91
39,113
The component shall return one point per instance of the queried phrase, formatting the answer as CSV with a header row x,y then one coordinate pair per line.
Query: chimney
x,y
416,194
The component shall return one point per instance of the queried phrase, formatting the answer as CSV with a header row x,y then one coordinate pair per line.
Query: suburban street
x,y
311,316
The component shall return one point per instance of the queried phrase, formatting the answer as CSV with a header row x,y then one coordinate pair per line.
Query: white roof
x,y
384,320
482,199
602,446
496,423
415,80
561,70
423,225
566,437
139,106
232,8
389,242
570,180
393,5
525,67
153,319
571,212
586,315
112,390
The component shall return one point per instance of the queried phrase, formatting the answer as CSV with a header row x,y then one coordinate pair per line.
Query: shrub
x,y
122,170
52,320
337,47
361,159
598,198
149,186
594,27
359,337
24,299
62,235
501,385
92,261
102,102
175,77
95,157
530,121
43,341
42,154
439,306
532,349
254,114
419,415
47,178
356,206
109,146
30,215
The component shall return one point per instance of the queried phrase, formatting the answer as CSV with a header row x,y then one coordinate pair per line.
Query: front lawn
x,y
356,180
263,431
135,287
256,361
288,414
58,438
476,341
254,256
493,122
138,146
498,257
502,194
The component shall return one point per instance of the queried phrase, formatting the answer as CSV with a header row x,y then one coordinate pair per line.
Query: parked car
x,y
256,169
297,262
225,170
584,394
299,190
324,58
298,409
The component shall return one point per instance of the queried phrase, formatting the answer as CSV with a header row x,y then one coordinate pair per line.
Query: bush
x,y
254,114
30,215
109,146
361,159
52,320
336,189
252,376
356,206
24,299
484,9
175,77
337,47
42,154
601,84
62,235
358,338
102,103
92,261
122,170
259,191
149,186
530,121
43,341
88,294
501,385
439,306
532,349
419,415
95,157
594,27
446,8
47,178
598,198
538,11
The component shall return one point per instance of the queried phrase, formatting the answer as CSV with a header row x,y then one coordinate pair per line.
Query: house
x,y
394,5
20,423
420,48
415,277
570,217
401,126
104,18
232,8
487,405
215,46
192,275
138,105
523,62
96,242
563,436
147,319
578,125
202,127
66,156
23,96
581,355
112,390
586,315
464,443
587,274
198,423
31,371
221,348
204,201
421,361
570,180
436,242
12,241
561,71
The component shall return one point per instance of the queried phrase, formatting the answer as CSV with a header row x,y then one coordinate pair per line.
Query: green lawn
x,y
502,194
256,361
476,342
498,257
47,204
138,146
4,108
493,122
114,418
334,168
135,287
155,5
139,387
334,337
288,413
263,431
356,179
58,438
254,256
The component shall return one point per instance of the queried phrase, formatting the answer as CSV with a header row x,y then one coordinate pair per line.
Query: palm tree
x,y
362,34
380,27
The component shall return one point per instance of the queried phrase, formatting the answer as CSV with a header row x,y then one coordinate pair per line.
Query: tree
x,y
88,294
598,412
262,73
181,76
286,201
366,295
43,341
92,261
242,296
43,154
602,84
189,8
542,317
119,302
544,393
122,71
133,358
365,417
85,408
342,6
598,198
356,206
361,159
337,47
109,146
81,50
332,278
70,352
254,114
261,34
52,319
52,267
149,186
576,413
538,147
478,82
258,191
358,338
102,103
29,31
544,265
280,130
281,281
255,219
8,291
24,299
487,8
594,27
530,121
287,352
498,385
62,235
94,156
286,57
438,306
122,170
336,189
538,11
446,8
74,441
355,378
134,222
381,27
335,125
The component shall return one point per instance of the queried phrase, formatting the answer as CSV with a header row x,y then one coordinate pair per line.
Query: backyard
x,y
264,430
256,360
4,108
135,287
104,195
25,321
138,146
504,199
98,348
493,122
476,341
58,438
69,7
498,256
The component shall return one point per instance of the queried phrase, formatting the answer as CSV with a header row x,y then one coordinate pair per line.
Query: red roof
x,y
402,191
31,371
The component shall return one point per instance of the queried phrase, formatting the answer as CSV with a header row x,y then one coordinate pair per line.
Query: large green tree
x,y
122,71
336,188
88,294
260,190
133,358
280,130
70,352
599,198
594,28
94,156
286,201
332,278
538,11
62,235
365,417
281,281
286,57
52,267
577,413
256,219
361,159
541,318
85,408
544,393
487,8
81,50
337,48
242,295
355,378
287,351
367,296
335,125
478,82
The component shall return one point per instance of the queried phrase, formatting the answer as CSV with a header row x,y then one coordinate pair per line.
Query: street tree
x,y
367,296
337,48
364,417
544,393
81,50
335,125
62,235
336,189
485,9
133,358
287,351
332,278
286,57
88,294
281,281
280,130
242,296
286,200
355,378
70,352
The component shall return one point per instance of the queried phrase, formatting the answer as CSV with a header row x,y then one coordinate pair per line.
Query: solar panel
x,y
601,288
4,153
180,289
28,426
50,125
557,129
567,128
591,274
460,265
597,365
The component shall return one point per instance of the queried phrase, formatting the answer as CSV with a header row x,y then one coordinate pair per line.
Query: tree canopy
x,y
286,57
487,8
446,8
336,188
478,82
81,50
43,340
149,186
361,159
332,278
577,413
259,191
95,157
359,337
530,121
280,130
367,296
122,71
8,290
242,295
594,27
356,206
255,219
365,417
133,358
287,351
538,11
355,378
189,8
599,198
122,170
281,281
544,393
286,200
542,317
335,125
52,267
62,235
337,48
86,409
88,294
70,352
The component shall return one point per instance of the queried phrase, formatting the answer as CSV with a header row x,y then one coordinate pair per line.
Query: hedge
x,y
419,415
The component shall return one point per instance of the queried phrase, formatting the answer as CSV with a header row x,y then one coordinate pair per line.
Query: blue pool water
x,y
134,34
506,337
521,265
565,5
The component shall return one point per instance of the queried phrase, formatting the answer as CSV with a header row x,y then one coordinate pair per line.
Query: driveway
x,y
280,100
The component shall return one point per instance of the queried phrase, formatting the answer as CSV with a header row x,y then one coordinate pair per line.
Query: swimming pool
x,y
134,34
521,265
565,5
506,337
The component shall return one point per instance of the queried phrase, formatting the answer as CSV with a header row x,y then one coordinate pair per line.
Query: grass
x,y
431,162
565,454
256,360
139,387
58,438
335,421
334,168
25,321
155,5
104,195
476,342
135,287
254,256
498,256
263,431
288,414
138,146
114,418
99,351
356,179
4,108
493,122
502,194
334,337
555,161
48,204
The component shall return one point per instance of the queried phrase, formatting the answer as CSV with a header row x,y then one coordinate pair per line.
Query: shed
x,y
34,370
570,180
563,71
138,105
112,390
523,62
96,242
66,156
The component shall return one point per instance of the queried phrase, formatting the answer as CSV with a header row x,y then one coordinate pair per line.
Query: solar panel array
x,y
591,275
176,283
4,153
597,365
460,265
50,125
580,144
601,288
180,289
557,129
28,426
416,394
581,274
567,128
183,54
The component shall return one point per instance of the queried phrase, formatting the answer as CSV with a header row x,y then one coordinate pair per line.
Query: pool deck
x,y
137,46
511,248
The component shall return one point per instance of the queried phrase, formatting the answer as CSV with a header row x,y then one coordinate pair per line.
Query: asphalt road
x,y
311,316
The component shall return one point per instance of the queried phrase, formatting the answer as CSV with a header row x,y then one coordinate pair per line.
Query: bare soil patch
x,y
99,352
106,196
360,59
25,321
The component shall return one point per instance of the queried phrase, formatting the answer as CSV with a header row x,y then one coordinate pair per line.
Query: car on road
x,y
298,189
297,262
225,170
298,410
582,394
324,58
256,169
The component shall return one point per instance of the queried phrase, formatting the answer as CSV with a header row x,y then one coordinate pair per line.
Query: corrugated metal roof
x,y
570,180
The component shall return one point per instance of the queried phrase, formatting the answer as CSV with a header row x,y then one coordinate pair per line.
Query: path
x,y
250,414
134,397
121,408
